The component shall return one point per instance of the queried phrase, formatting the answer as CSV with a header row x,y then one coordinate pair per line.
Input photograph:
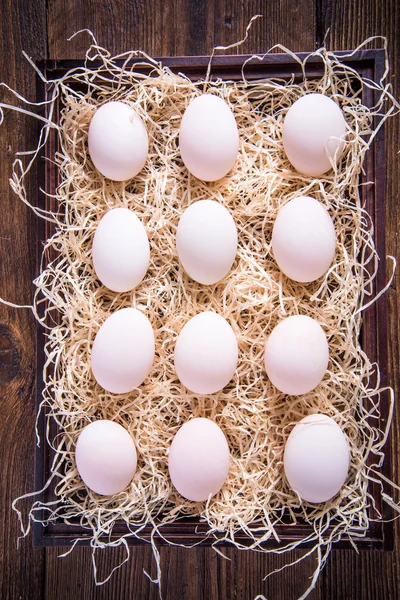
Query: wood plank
x,y
372,575
195,574
365,576
181,27
21,571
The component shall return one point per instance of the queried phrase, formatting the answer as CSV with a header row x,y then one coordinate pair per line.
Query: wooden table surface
x,y
162,28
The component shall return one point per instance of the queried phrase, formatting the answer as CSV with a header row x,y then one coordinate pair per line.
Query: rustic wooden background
x,y
161,28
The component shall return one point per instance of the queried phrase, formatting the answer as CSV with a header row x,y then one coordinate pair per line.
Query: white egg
x,y
206,353
317,458
105,457
206,241
296,355
123,351
313,134
118,141
303,239
199,459
121,252
208,138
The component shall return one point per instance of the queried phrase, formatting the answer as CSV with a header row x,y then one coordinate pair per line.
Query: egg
x,y
118,141
199,459
208,138
206,353
303,239
313,134
316,458
123,351
206,241
296,355
121,251
105,457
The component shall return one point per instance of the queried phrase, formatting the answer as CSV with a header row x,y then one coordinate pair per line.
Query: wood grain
x,y
21,571
186,573
183,27
161,28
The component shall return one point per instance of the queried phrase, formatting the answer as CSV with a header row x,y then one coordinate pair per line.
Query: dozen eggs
x,y
316,455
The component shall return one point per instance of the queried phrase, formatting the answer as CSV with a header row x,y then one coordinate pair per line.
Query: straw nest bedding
x,y
253,298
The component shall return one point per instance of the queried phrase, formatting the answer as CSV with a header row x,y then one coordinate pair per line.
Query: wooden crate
x,y
369,64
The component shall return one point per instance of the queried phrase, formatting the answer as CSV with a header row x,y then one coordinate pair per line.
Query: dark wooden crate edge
x,y
371,64
230,65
